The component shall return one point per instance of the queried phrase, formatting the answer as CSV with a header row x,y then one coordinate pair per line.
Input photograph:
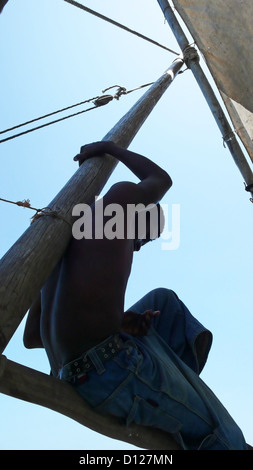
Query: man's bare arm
x,y
155,182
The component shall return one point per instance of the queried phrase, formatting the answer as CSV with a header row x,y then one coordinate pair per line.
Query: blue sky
x,y
54,55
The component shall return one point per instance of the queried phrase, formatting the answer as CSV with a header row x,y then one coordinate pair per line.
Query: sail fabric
x,y
223,32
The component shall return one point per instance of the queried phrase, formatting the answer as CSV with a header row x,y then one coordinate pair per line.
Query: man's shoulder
x,y
124,192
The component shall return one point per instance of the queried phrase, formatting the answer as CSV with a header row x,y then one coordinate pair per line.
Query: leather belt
x,y
76,371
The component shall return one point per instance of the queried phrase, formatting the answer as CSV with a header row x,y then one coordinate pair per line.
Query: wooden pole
x,y
35,387
28,263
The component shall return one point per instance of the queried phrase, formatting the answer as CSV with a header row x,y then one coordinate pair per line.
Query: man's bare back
x,y
82,302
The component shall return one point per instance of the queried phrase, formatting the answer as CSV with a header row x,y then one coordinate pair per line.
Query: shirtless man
x,y
87,288
141,365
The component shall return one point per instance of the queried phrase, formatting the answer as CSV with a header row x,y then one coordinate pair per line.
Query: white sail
x,y
223,32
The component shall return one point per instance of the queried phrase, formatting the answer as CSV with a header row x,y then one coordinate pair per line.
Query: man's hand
x,y
95,149
137,324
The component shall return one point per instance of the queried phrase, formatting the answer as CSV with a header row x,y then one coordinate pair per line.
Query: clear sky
x,y
54,55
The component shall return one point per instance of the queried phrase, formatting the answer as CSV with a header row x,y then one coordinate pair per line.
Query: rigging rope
x,y
119,25
97,101
47,115
46,211
45,125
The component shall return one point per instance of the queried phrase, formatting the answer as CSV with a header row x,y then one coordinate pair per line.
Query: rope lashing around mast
x,y
98,101
190,53
249,188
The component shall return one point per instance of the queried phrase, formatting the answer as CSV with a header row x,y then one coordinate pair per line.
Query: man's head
x,y
149,225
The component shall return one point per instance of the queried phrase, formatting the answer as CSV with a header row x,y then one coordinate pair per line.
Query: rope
x,y
47,115
25,203
97,101
119,25
39,212
47,211
228,137
249,188
189,54
45,125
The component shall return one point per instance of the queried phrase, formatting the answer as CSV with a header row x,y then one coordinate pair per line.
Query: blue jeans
x,y
154,381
